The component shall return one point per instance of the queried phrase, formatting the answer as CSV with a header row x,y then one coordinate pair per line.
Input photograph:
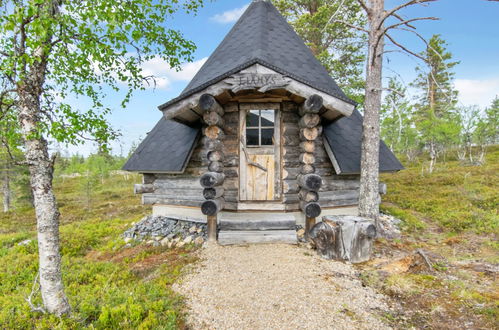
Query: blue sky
x,y
471,28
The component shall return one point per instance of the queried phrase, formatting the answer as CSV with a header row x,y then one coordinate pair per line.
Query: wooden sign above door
x,y
259,81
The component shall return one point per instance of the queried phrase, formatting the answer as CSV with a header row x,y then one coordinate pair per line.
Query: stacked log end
x,y
212,181
309,182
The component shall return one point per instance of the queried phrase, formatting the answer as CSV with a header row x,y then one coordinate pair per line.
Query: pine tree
x,y
435,111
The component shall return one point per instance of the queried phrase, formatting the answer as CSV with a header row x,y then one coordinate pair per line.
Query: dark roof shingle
x,y
344,137
167,148
263,36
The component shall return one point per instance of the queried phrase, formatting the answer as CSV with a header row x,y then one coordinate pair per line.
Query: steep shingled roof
x,y
166,148
263,36
344,137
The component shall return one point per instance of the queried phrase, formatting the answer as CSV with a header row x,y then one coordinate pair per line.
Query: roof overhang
x,y
185,108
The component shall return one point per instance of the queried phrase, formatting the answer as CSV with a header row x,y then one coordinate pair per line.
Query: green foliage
x,y
339,48
106,287
435,81
397,126
76,48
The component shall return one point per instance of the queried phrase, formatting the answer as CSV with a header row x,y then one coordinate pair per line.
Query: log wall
x,y
185,189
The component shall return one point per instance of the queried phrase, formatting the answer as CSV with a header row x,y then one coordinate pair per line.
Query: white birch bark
x,y
369,173
41,169
6,189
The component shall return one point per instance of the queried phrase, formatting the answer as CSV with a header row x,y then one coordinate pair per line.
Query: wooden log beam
x,y
213,118
311,181
307,146
311,210
207,103
308,196
212,228
211,144
214,132
307,158
307,169
311,105
309,134
309,120
212,179
213,193
143,188
309,223
215,156
212,206
216,166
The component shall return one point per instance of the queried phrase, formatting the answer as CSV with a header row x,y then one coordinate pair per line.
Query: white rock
x,y
300,232
199,230
25,242
188,240
180,244
199,240
165,241
128,239
193,229
150,242
171,244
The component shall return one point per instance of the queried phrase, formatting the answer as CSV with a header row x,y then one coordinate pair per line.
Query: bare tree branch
x,y
352,26
406,4
409,21
400,18
364,6
397,8
334,15
404,48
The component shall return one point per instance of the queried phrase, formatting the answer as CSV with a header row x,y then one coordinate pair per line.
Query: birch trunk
x,y
41,169
369,172
6,189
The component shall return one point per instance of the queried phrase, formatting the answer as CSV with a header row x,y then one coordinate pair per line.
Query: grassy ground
x,y
108,286
452,216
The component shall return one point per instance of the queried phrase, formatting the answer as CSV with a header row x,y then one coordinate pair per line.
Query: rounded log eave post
x,y
309,182
212,181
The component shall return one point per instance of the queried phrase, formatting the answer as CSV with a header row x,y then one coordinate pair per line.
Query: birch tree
x,y
50,49
380,23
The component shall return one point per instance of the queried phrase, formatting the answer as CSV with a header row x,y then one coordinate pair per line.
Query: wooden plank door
x,y
260,153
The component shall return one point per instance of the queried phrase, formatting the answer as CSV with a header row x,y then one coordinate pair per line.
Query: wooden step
x,y
256,221
226,237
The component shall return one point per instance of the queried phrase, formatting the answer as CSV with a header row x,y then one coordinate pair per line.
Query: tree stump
x,y
346,238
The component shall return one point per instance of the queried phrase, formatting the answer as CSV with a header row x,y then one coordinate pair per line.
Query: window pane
x,y
267,118
252,118
267,136
252,137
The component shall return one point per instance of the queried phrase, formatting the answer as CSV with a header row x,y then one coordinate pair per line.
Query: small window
x,y
260,128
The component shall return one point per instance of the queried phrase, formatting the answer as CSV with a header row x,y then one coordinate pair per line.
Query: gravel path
x,y
277,287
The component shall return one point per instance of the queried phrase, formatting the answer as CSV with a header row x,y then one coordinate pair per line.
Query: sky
x,y
470,27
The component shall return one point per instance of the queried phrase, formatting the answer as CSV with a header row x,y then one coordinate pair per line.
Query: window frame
x,y
259,128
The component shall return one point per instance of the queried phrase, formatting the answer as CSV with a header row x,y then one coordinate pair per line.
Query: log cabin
x,y
261,140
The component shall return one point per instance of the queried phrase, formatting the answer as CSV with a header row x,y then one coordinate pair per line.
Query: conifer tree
x,y
435,114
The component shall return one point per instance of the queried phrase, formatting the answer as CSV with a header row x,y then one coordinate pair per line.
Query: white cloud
x,y
229,16
477,91
165,75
